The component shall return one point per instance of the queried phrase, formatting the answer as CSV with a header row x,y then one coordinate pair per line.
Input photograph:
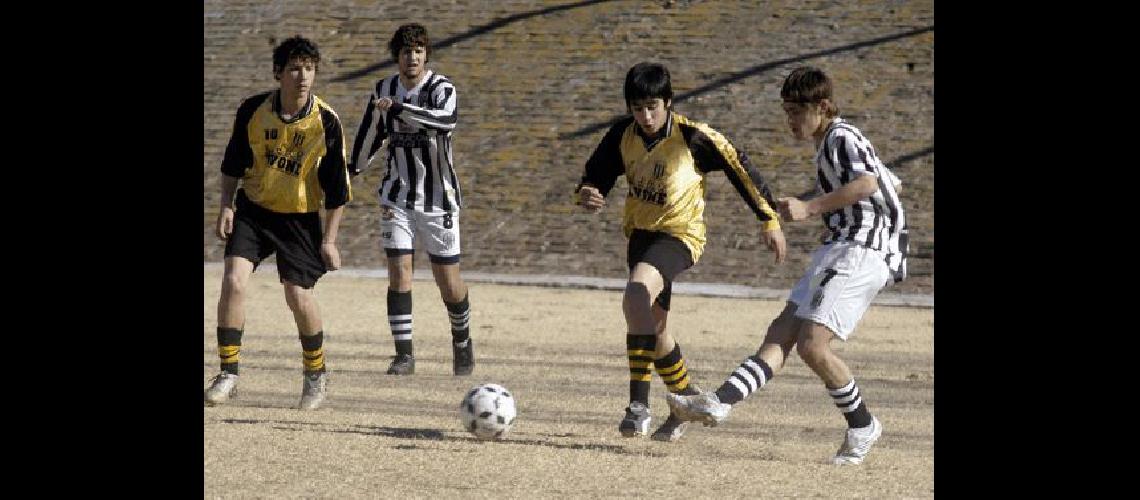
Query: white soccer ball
x,y
488,411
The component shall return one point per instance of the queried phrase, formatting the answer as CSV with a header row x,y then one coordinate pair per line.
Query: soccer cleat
x,y
404,364
636,420
674,427
705,408
222,387
314,389
857,443
463,358
671,430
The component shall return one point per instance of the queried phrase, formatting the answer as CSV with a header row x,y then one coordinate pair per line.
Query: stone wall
x,y
538,83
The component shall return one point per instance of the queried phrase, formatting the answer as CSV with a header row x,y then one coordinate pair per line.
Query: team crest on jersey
x,y
286,158
658,170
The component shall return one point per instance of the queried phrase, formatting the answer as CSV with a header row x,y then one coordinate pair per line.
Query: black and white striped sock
x,y
749,377
400,319
850,402
460,315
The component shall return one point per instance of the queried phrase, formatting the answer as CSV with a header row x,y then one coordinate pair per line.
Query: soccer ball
x,y
488,411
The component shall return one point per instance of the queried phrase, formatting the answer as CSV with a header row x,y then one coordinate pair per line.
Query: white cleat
x,y
222,387
857,443
313,392
705,408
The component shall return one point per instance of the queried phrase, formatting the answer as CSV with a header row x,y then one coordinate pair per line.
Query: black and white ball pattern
x,y
488,411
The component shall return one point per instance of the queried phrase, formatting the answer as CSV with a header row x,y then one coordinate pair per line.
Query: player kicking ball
x,y
857,198
665,158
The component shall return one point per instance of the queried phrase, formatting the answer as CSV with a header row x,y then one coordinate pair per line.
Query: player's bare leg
x,y
674,427
780,338
400,273
307,315
400,313
453,290
644,284
231,303
231,319
814,347
712,408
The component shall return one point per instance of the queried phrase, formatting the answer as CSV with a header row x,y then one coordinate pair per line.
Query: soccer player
x,y
857,198
287,151
665,157
415,111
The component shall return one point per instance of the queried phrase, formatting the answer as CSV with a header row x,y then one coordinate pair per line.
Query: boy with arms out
x,y
665,157
415,111
865,248
287,149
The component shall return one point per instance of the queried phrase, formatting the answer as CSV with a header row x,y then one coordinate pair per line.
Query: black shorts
x,y
664,252
295,237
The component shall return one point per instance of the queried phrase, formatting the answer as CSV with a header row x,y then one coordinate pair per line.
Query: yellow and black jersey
x,y
288,166
666,176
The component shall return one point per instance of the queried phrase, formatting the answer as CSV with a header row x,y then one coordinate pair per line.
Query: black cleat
x,y
463,358
404,364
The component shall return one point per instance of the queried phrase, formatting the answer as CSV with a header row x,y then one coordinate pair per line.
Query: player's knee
x,y
451,285
298,298
399,267
636,298
812,350
452,293
400,280
233,284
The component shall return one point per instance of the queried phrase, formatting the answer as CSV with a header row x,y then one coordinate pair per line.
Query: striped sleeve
x,y
369,136
438,114
332,173
239,155
712,151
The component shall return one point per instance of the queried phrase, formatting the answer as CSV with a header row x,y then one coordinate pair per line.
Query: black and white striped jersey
x,y
875,222
419,166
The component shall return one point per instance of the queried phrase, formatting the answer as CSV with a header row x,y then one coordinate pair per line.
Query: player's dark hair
x,y
409,35
647,81
808,85
295,47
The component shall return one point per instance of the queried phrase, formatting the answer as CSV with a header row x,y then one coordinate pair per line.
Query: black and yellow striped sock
x,y
640,348
313,352
229,348
672,370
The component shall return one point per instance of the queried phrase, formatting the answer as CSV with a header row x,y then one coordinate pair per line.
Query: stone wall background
x,y
539,82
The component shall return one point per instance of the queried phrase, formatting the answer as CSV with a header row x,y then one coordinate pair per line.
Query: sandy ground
x,y
561,352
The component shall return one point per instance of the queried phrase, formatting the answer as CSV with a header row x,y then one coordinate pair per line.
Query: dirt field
x,y
561,353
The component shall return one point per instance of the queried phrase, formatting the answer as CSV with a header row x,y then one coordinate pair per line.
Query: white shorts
x,y
839,285
439,233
